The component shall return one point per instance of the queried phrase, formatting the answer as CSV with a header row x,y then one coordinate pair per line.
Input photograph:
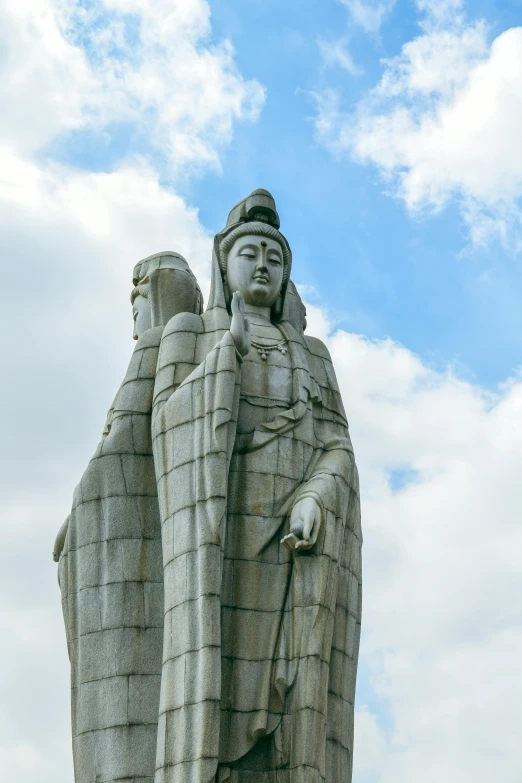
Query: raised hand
x,y
240,326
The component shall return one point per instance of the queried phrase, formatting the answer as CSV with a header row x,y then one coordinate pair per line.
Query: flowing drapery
x,y
111,579
259,642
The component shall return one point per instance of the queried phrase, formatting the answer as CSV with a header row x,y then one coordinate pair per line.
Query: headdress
x,y
168,282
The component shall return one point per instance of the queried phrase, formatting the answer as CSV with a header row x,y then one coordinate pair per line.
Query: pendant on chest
x,y
265,350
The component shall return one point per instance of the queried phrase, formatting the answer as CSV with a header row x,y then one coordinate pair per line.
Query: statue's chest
x,y
266,388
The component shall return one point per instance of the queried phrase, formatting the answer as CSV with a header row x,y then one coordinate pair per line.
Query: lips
x,y
261,278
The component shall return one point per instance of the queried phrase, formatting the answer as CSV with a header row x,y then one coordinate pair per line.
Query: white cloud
x,y
368,14
442,620
440,12
442,580
444,122
335,54
25,757
70,239
45,80
152,64
370,747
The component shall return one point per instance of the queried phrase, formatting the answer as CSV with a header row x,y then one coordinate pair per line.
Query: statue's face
x,y
142,315
255,268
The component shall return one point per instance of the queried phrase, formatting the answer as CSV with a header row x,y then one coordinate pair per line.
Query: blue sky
x,y
380,270
389,134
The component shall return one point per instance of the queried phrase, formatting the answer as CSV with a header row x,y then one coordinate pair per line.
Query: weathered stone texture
x,y
202,649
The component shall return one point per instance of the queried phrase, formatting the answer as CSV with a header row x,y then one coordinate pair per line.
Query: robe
x,y
260,644
111,579
111,568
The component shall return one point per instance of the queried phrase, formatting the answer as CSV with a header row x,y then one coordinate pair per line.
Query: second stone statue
x,y
111,568
257,506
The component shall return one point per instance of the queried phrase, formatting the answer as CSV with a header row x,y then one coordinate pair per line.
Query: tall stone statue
x,y
111,569
258,503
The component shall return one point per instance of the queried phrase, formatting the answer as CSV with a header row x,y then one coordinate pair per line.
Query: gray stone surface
x,y
111,569
227,434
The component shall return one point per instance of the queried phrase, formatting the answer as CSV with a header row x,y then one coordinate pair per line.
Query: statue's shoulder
x,y
149,339
184,322
321,364
179,341
317,347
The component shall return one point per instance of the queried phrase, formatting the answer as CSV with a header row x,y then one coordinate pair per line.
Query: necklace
x,y
264,350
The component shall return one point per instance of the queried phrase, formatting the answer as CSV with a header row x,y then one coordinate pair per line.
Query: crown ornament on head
x,y
259,206
256,214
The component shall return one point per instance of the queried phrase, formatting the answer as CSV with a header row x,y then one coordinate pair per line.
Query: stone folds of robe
x,y
261,644
111,578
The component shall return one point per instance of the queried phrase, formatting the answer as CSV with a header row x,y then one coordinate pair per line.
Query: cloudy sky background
x,y
389,133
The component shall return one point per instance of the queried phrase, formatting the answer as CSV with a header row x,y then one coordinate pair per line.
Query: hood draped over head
x,y
167,281
256,214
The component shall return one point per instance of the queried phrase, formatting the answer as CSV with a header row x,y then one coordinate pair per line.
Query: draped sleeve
x,y
335,479
328,582
194,423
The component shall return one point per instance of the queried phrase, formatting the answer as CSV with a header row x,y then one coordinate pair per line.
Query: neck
x,y
256,313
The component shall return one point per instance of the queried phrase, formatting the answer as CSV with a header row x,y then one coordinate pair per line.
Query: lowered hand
x,y
305,524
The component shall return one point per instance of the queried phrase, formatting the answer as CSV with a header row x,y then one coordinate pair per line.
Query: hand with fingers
x,y
305,524
240,326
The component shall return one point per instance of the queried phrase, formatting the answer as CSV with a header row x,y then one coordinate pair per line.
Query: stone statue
x,y
260,539
111,569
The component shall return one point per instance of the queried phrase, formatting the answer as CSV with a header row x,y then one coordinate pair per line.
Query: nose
x,y
261,261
